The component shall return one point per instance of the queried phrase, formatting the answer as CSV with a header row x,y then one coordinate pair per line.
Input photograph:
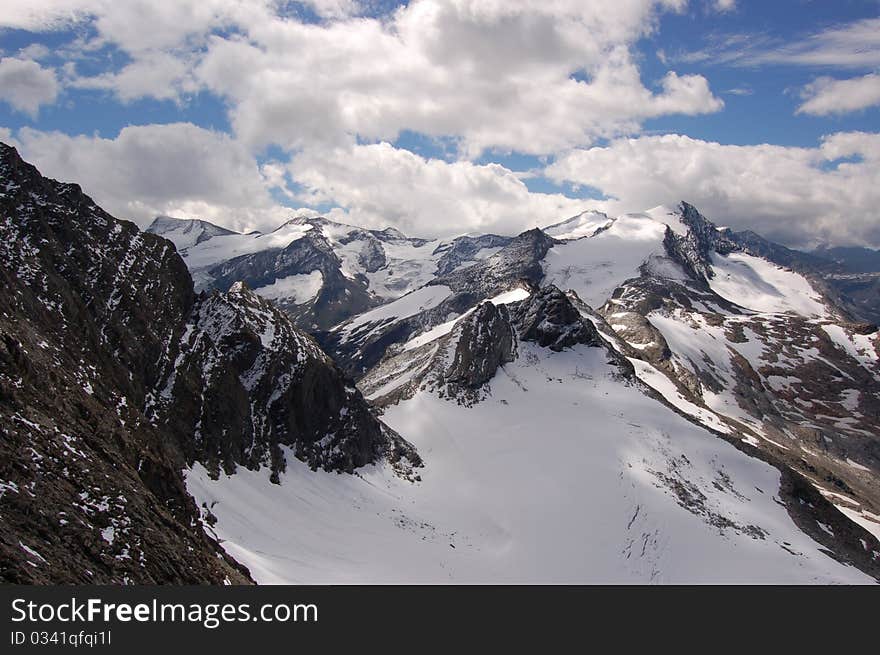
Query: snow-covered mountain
x,y
640,398
701,378
321,272
546,460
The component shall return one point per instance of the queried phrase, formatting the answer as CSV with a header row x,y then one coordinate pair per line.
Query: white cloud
x,y
492,74
135,25
154,74
529,75
183,170
378,185
35,51
26,85
334,8
724,5
178,169
850,45
853,44
44,15
829,96
799,196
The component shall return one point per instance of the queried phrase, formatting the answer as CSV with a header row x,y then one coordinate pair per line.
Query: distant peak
x,y
164,223
394,232
585,224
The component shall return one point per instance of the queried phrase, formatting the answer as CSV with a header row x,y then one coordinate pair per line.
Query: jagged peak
x,y
8,153
534,234
694,220
692,249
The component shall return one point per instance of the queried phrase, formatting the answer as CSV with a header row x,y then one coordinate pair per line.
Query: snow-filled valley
x,y
563,474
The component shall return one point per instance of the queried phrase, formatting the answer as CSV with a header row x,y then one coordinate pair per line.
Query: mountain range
x,y
639,398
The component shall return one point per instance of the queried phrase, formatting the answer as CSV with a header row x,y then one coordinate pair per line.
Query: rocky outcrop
x,y
487,340
92,492
246,382
516,264
460,364
338,298
549,319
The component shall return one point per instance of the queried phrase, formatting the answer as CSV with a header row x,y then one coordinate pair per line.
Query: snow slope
x,y
757,284
583,225
594,267
227,246
410,304
299,288
562,474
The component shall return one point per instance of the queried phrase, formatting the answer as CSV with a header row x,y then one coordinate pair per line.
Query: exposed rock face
x,y
91,491
461,364
519,260
754,244
114,376
338,297
372,256
350,269
692,250
247,382
464,249
487,341
550,320
802,388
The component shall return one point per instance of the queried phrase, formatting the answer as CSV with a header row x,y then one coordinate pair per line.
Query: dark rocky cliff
x,y
114,376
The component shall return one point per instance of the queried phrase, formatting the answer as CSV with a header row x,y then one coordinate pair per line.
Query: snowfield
x,y
620,489
594,267
297,288
757,284
409,305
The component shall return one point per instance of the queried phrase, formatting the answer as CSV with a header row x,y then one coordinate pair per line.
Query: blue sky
x,y
443,117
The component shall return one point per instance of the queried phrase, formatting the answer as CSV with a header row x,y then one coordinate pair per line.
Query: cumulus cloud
x,y
154,74
526,75
534,77
378,185
798,196
183,170
26,85
830,96
135,25
540,77
177,169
